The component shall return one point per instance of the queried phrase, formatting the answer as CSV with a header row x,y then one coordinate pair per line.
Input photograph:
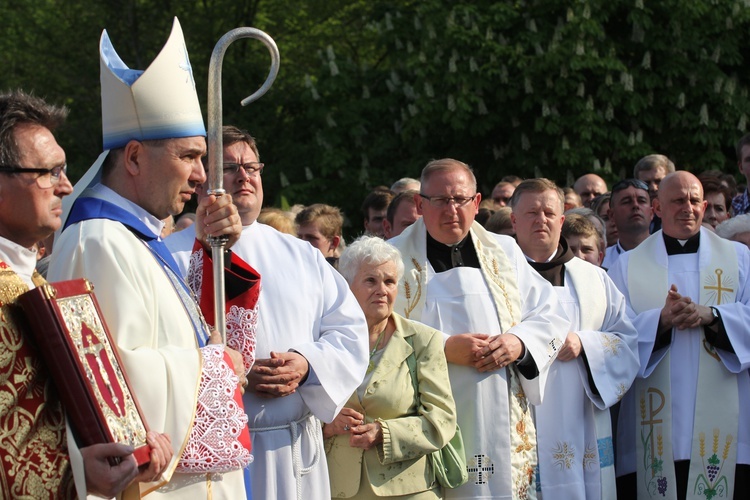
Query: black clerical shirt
x,y
463,254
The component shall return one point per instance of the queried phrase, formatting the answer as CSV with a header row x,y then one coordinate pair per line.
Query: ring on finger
x,y
346,427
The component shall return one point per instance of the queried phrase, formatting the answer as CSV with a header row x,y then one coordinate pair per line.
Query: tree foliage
x,y
369,91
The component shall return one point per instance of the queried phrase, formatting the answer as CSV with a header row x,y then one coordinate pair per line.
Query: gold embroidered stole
x,y
495,268
717,404
33,448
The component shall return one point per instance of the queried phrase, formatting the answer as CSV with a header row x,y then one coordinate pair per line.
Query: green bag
x,y
449,462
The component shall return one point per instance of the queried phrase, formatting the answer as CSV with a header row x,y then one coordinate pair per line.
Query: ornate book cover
x,y
68,328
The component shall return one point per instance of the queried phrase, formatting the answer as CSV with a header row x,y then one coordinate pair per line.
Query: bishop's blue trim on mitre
x,y
158,103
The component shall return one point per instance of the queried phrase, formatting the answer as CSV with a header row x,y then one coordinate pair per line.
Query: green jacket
x,y
399,466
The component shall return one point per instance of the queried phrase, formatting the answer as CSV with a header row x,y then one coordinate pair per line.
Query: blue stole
x,y
86,208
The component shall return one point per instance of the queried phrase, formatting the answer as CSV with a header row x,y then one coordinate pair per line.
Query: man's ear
x,y
656,206
386,228
133,154
335,241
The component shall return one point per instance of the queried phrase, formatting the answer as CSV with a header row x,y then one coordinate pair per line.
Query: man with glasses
x,y
502,322
35,459
597,362
630,210
588,187
311,339
501,194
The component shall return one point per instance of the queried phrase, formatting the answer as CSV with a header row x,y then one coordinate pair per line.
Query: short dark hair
x,y
19,108
403,197
231,135
377,200
744,141
715,186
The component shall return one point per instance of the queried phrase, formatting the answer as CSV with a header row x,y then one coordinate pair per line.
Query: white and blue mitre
x,y
158,103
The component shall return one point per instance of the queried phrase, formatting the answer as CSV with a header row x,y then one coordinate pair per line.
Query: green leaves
x,y
369,91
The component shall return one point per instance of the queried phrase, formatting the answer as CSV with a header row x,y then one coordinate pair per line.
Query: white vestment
x,y
153,331
306,306
459,301
574,435
684,271
612,254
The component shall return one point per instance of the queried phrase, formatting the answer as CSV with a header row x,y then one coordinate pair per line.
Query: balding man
x,y
588,187
501,194
679,433
503,326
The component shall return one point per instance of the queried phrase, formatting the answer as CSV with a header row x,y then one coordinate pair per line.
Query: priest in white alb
x,y
597,363
683,427
312,338
502,322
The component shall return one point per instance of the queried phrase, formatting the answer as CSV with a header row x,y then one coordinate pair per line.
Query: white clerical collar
x,y
104,193
549,259
22,260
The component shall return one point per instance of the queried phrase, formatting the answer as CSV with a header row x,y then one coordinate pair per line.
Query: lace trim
x,y
195,274
241,327
213,445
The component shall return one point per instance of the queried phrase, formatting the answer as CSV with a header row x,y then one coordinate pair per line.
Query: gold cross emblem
x,y
719,289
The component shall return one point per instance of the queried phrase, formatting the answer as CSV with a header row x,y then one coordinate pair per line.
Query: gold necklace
x,y
371,365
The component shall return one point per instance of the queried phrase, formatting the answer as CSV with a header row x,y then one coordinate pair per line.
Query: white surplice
x,y
153,331
459,301
574,435
306,306
684,271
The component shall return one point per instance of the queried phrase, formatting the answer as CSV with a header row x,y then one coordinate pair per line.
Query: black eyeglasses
x,y
626,183
444,201
47,177
250,169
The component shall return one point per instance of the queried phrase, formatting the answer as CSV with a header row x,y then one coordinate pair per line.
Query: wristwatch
x,y
715,314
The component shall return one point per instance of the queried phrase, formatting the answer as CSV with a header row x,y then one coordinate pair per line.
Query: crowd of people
x,y
582,341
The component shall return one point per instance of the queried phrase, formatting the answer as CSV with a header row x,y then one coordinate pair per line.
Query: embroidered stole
x,y
593,304
495,268
33,444
717,405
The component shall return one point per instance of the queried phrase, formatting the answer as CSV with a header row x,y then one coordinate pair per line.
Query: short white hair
x,y
734,226
368,250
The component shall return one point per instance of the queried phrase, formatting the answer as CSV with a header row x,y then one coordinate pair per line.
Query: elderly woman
x,y
378,445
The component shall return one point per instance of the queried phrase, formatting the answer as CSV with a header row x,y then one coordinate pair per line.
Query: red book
x,y
67,326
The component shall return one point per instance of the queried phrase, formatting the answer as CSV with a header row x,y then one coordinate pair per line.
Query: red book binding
x,y
67,326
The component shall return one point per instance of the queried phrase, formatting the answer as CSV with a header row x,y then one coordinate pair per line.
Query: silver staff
x,y
216,148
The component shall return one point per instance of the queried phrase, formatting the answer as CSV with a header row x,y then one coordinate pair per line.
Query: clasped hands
x,y
483,352
279,375
681,312
361,435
